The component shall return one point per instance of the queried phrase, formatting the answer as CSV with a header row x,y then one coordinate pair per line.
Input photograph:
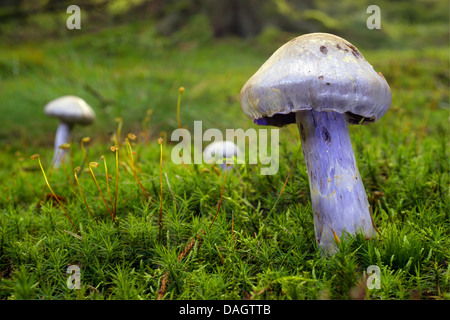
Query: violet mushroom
x,y
221,152
321,82
70,110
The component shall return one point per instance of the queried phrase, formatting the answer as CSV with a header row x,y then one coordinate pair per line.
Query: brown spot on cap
x,y
355,51
323,49
320,77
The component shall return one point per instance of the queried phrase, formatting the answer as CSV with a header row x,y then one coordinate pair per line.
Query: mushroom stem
x,y
338,197
62,136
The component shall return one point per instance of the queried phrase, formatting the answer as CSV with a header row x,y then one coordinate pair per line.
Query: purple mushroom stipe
x,y
70,110
322,82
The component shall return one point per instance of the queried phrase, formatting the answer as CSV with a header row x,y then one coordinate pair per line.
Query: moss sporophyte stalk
x,y
36,156
66,146
180,92
95,165
160,140
75,173
115,149
132,137
107,182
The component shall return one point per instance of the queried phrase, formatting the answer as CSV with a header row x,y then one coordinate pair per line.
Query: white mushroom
x,y
70,110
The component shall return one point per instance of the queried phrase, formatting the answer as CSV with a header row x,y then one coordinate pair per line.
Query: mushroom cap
x,y
71,110
220,150
317,71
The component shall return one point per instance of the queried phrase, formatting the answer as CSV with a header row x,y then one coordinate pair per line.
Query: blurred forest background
x,y
402,19
134,54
